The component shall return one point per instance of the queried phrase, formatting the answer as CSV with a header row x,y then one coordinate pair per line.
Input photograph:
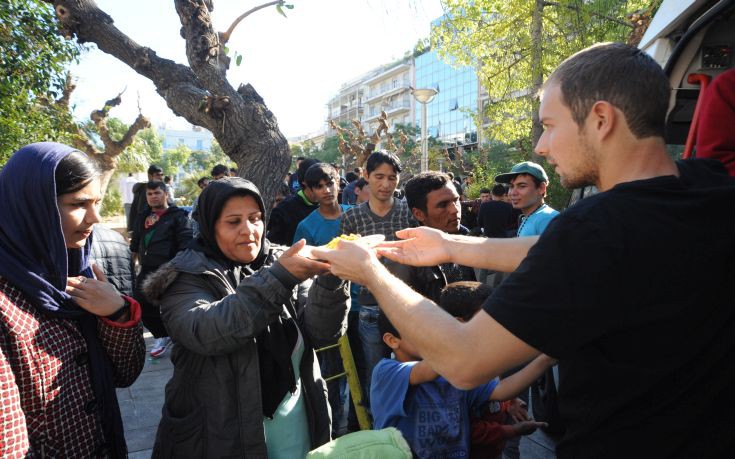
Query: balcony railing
x,y
387,88
388,109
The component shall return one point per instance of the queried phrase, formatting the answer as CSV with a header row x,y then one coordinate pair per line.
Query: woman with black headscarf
x,y
67,337
245,317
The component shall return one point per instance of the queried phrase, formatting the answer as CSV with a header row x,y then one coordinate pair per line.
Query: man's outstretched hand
x,y
350,260
421,246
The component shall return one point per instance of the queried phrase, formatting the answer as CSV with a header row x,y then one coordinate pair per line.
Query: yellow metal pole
x,y
352,379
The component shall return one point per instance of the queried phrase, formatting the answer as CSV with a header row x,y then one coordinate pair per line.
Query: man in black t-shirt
x,y
630,289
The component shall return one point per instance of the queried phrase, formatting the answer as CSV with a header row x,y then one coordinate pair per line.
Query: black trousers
x,y
151,314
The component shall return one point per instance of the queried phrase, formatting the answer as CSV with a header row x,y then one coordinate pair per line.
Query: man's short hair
x,y
464,299
351,177
202,180
318,172
284,190
499,190
361,182
385,326
485,191
153,169
303,167
300,158
620,74
379,157
167,179
220,169
420,185
155,184
233,171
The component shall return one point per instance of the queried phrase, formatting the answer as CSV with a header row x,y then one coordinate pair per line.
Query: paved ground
x,y
140,404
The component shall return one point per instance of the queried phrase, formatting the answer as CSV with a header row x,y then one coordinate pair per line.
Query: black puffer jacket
x,y
111,253
213,405
286,217
171,234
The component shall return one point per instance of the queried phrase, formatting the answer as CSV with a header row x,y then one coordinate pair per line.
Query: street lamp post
x,y
424,96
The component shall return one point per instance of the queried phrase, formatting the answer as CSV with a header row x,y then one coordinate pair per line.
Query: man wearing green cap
x,y
528,182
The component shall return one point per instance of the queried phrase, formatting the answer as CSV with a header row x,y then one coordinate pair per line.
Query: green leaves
x,y
33,60
494,36
280,7
238,60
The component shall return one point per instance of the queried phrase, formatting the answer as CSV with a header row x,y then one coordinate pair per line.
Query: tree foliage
x,y
497,38
33,58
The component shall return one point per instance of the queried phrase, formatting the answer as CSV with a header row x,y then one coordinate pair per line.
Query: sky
x,y
296,64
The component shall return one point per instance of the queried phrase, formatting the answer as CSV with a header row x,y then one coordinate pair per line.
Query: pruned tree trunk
x,y
244,127
537,72
106,159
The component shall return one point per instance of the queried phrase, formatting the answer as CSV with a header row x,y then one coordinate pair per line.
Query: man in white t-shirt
x,y
126,191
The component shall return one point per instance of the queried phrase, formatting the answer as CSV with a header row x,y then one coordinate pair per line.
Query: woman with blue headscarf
x,y
67,337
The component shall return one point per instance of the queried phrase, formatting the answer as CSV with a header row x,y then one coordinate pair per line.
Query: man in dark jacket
x,y
288,214
111,253
139,204
434,202
160,234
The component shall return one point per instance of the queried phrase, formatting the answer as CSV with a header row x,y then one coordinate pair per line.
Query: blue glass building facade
x,y
449,116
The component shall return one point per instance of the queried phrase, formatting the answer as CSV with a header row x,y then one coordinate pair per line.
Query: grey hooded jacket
x,y
213,404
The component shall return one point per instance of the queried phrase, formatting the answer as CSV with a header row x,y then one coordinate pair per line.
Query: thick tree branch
x,y
225,37
244,127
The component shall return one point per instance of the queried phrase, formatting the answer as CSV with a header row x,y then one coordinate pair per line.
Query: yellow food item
x,y
333,243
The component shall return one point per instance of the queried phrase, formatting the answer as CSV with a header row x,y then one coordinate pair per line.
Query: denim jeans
x,y
374,349
330,364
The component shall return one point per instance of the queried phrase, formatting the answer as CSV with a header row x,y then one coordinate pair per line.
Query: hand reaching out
x,y
421,246
527,427
518,410
300,267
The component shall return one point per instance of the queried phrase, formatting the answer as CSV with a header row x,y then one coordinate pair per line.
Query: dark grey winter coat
x,y
213,403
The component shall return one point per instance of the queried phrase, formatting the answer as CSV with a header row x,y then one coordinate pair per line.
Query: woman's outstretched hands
x,y
95,295
301,267
422,246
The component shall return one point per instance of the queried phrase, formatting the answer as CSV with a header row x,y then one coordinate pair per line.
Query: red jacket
x,y
46,399
715,133
489,432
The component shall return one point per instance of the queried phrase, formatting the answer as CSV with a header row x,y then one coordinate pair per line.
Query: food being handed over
x,y
333,243
369,241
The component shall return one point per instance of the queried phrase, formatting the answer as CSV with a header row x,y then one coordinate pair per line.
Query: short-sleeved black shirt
x,y
633,290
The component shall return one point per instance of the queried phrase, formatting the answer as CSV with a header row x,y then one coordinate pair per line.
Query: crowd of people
x,y
472,323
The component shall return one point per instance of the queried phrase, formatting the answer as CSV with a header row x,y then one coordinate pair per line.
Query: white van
x,y
693,41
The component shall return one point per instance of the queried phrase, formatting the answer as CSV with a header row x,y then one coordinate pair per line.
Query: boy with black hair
x,y
139,204
462,300
381,214
294,181
433,415
219,171
321,180
162,231
362,191
322,225
288,214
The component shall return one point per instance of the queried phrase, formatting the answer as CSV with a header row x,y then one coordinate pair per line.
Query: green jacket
x,y
212,404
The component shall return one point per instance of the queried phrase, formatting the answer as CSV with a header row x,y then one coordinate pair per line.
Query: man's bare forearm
x,y
490,253
466,354
510,387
